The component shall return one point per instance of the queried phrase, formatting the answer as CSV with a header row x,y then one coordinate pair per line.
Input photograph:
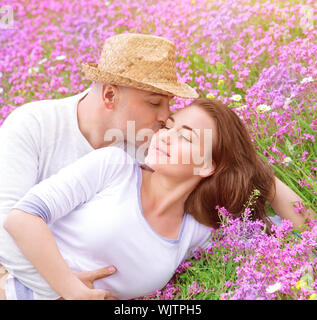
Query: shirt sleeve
x,y
75,184
19,156
201,239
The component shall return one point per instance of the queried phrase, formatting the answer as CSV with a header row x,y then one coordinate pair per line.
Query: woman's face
x,y
183,148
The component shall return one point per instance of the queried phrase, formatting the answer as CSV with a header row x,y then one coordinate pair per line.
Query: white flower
x,y
289,146
236,97
1,90
307,17
287,160
33,70
59,58
241,107
273,288
42,61
307,80
263,108
287,103
1,74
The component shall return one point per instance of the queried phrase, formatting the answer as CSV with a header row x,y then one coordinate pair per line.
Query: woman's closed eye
x,y
184,133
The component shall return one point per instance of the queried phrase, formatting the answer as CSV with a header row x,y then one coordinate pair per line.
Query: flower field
x,y
259,57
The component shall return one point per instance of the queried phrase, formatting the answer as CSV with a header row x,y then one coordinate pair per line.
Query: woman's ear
x,y
206,170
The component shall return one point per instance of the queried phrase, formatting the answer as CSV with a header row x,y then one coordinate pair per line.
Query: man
x,y
134,81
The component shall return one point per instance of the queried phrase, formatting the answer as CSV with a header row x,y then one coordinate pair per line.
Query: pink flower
x,y
303,157
299,206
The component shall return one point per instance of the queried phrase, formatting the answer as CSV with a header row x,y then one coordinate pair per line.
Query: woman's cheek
x,y
184,154
196,158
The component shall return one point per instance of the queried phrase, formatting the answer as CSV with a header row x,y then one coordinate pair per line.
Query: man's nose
x,y
164,113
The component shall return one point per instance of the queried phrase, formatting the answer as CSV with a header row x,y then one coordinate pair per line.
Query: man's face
x,y
146,111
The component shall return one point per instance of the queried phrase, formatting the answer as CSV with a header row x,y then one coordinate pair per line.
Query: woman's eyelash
x,y
165,127
186,138
154,104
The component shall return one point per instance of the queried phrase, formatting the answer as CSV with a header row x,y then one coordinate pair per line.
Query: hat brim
x,y
178,89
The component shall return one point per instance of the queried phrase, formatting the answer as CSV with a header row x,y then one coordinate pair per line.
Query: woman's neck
x,y
164,195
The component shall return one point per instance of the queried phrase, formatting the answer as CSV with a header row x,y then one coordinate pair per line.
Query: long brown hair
x,y
239,171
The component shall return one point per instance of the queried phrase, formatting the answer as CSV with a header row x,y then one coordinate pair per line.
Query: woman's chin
x,y
164,168
154,163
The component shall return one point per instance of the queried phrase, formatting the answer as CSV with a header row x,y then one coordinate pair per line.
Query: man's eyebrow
x,y
156,94
183,126
159,94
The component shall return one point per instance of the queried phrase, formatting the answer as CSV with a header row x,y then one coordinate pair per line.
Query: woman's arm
x,y
282,205
36,242
52,199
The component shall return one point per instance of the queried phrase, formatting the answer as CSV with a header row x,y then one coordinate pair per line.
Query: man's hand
x,y
88,278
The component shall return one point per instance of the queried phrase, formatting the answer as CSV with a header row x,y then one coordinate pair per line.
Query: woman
x,y
107,209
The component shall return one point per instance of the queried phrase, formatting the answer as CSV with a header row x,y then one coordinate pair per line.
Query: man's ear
x,y
109,93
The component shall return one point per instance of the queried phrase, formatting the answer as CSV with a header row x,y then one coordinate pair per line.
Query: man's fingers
x,y
106,294
102,273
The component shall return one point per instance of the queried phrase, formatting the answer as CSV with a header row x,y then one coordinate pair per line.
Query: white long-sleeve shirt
x,y
36,140
94,211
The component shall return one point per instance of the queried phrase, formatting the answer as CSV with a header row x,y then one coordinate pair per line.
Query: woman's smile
x,y
162,152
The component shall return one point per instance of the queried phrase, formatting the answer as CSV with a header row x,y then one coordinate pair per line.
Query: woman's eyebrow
x,y
183,126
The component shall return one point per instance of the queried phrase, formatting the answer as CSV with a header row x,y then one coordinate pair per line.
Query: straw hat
x,y
141,61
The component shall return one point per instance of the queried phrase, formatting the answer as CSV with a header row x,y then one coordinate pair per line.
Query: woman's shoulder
x,y
198,236
199,230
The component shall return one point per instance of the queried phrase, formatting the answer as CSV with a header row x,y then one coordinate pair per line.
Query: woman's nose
x,y
166,139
